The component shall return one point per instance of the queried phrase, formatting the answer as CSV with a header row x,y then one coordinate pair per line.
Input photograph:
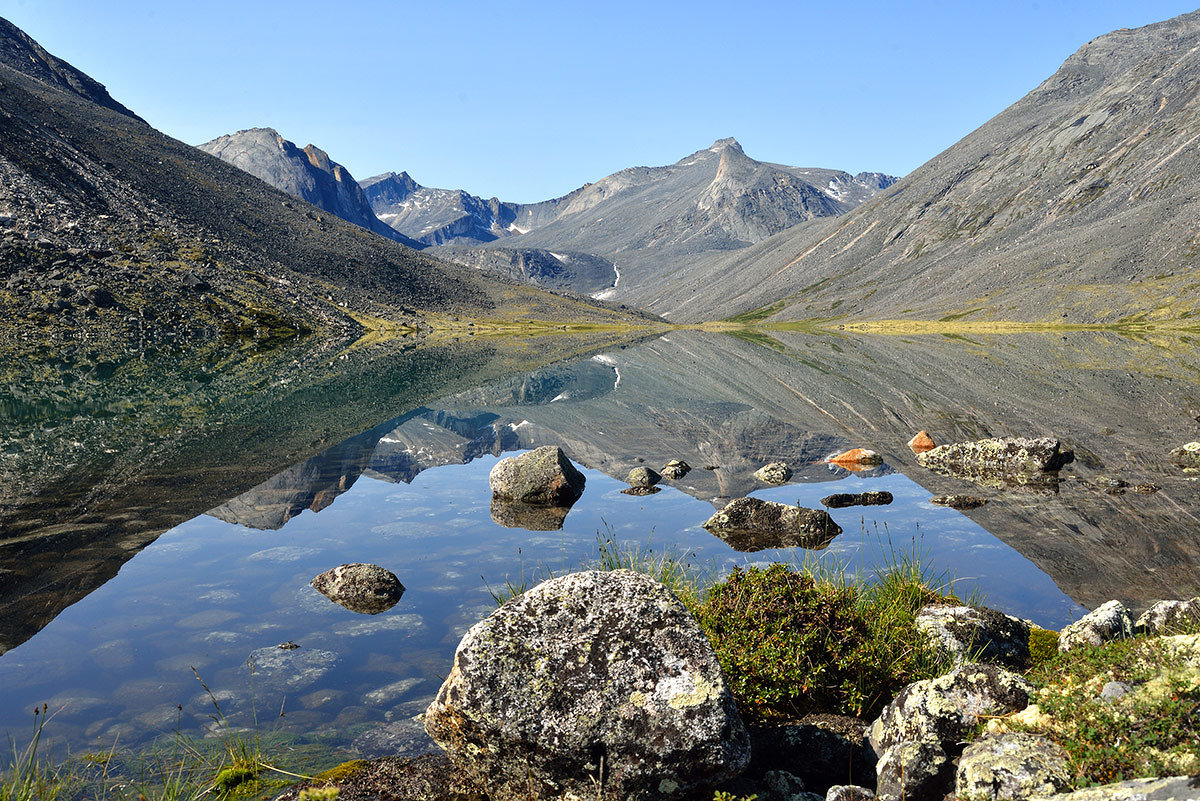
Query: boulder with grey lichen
x,y
976,633
642,477
1011,766
1171,788
544,476
1110,621
1169,617
773,473
360,587
752,524
594,676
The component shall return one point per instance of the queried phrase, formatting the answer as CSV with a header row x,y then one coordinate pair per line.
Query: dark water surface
x,y
171,534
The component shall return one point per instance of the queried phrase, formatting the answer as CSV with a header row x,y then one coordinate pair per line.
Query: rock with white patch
x,y
773,473
976,633
1168,617
1110,621
591,677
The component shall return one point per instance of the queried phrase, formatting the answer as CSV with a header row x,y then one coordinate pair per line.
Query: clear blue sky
x,y
528,100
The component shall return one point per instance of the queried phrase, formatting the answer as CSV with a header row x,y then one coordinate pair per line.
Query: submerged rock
x,y
1011,766
1168,617
840,500
774,473
360,587
980,634
642,477
591,676
752,524
921,442
1110,621
1006,460
1187,456
544,477
960,502
675,469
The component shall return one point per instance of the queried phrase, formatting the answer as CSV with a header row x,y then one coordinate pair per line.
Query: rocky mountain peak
x,y
728,143
318,158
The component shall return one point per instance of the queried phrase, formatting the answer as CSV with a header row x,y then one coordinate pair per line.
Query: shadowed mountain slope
x,y
1077,203
306,173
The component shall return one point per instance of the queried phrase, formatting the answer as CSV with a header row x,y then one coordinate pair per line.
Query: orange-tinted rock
x,y
922,442
857,456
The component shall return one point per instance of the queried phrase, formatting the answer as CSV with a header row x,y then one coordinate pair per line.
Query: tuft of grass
x,y
30,775
673,568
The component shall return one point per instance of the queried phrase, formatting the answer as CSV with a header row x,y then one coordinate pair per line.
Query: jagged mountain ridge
x,y
307,173
1078,203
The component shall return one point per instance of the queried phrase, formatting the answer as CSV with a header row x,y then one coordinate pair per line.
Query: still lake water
x,y
214,595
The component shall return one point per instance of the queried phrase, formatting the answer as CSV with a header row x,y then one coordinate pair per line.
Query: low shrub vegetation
x,y
793,643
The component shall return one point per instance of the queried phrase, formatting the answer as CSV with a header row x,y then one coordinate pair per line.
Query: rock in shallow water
x,y
586,675
675,469
642,477
752,524
774,473
360,587
544,476
998,456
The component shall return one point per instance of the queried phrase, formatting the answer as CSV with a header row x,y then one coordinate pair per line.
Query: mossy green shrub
x,y
791,644
1153,730
1043,646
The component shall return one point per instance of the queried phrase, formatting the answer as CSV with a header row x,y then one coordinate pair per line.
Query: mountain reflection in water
x,y
723,404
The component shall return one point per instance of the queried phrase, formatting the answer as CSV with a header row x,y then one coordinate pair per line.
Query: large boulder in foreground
x,y
1172,788
1011,766
360,587
594,676
544,476
752,524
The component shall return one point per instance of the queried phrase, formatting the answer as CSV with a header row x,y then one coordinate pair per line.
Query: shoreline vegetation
x,y
793,640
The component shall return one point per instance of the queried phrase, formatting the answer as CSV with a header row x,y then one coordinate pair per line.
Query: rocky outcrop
x,y
752,524
360,587
922,729
595,677
1168,617
774,473
1004,459
1110,621
543,476
1011,766
976,633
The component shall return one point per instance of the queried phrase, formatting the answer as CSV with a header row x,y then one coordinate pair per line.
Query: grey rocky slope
x,y
306,173
644,218
1079,202
114,232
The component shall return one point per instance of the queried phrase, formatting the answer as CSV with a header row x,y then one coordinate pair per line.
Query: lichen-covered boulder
x,y
773,473
360,587
543,476
1172,788
946,709
1011,766
675,469
999,454
917,770
642,477
976,633
752,524
591,677
818,749
1168,617
1110,621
